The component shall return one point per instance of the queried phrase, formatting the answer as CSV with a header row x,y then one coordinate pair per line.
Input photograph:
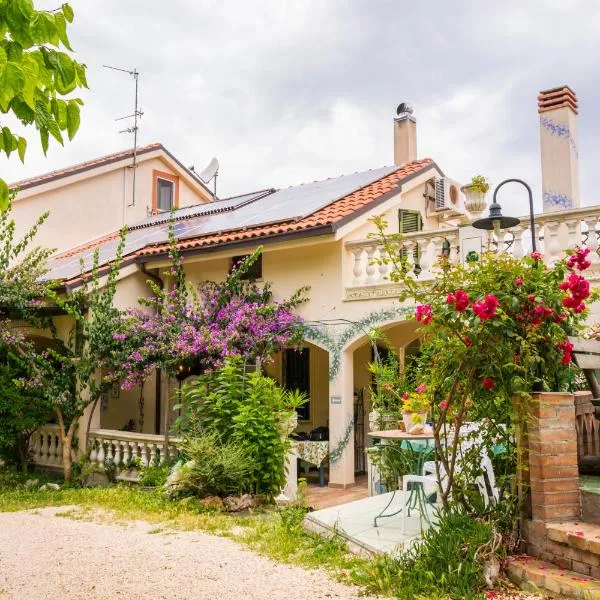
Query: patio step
x,y
541,576
579,534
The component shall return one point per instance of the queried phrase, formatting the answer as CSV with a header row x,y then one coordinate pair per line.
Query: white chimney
x,y
405,135
558,136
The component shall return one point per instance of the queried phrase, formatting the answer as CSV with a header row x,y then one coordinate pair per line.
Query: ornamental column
x,y
341,422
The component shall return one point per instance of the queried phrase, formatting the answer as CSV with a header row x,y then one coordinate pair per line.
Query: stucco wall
x,y
83,209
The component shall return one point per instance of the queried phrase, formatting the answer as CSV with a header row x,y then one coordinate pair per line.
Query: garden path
x,y
45,556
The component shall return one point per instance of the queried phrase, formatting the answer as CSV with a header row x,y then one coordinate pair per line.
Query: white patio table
x,y
418,448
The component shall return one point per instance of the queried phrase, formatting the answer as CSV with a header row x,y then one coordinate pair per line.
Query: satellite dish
x,y
210,172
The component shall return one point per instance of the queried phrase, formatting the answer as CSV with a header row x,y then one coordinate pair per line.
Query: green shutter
x,y
409,221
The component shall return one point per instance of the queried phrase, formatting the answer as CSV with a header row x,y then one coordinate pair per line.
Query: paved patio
x,y
354,522
326,497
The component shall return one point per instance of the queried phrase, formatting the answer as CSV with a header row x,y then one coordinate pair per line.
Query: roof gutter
x,y
287,235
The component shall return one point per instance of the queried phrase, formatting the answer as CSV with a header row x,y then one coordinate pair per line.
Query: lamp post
x,y
497,221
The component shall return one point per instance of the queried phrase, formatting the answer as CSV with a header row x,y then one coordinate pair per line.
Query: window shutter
x,y
409,221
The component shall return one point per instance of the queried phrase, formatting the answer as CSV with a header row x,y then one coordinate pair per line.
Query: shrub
x,y
248,410
155,475
21,413
214,468
446,560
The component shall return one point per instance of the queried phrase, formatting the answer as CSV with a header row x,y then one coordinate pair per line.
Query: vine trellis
x,y
320,332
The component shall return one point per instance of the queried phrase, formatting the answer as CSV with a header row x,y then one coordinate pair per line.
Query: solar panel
x,y
249,210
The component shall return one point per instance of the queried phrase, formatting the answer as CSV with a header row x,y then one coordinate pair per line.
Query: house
x,y
95,198
318,234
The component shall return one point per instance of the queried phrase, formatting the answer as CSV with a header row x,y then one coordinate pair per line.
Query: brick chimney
x,y
405,135
558,134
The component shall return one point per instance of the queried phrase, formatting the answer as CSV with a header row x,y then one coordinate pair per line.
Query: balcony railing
x,y
129,451
555,232
46,447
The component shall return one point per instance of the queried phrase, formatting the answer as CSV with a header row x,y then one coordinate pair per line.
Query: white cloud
x,y
284,92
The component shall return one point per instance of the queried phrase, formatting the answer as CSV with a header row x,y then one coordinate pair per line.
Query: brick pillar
x,y
553,468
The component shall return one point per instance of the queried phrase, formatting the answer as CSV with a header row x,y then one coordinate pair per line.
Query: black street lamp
x,y
497,221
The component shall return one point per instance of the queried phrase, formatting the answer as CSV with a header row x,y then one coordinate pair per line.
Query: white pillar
x,y
341,414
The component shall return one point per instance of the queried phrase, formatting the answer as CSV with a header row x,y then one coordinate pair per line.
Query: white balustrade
x,y
420,251
45,446
129,450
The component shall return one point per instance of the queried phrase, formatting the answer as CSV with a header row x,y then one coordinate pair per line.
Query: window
x,y
165,191
255,270
409,221
296,376
164,194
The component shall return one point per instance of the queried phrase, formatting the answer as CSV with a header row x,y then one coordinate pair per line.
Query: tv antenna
x,y
137,114
210,172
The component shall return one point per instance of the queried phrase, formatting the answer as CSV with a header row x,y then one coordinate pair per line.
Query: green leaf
x,y
62,117
55,131
31,72
43,29
9,141
68,12
61,28
12,81
4,195
41,114
21,148
73,118
44,139
81,77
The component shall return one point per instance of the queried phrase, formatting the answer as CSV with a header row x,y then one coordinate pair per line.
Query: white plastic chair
x,y
488,489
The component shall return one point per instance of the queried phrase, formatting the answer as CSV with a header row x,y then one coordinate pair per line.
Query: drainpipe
x,y
158,378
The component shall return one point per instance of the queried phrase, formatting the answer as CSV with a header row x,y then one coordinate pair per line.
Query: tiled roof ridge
x,y
333,212
84,166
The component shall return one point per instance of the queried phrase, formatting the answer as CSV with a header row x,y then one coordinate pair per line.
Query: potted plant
x,y
415,406
475,195
385,393
292,400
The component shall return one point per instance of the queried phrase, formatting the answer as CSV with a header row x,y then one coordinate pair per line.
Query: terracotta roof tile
x,y
333,214
87,246
330,214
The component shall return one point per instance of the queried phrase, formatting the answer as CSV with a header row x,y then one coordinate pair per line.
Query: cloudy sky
x,y
285,92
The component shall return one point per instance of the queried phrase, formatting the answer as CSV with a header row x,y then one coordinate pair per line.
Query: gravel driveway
x,y
45,556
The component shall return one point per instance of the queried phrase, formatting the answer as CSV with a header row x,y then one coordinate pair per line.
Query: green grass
x,y
275,533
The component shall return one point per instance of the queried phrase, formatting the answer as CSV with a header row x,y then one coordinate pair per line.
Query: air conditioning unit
x,y
448,197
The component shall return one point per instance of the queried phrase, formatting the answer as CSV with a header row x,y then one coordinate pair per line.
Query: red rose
x,y
488,383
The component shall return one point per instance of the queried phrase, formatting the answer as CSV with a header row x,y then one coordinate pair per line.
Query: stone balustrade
x,y
421,250
129,451
46,447
555,232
